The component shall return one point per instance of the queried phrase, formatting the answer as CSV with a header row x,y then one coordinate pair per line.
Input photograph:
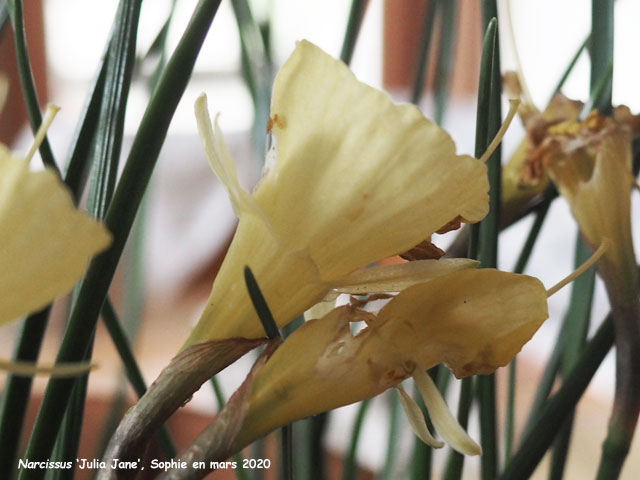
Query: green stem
x,y
120,216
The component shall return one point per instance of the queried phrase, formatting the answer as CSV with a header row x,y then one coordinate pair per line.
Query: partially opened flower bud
x,y
590,162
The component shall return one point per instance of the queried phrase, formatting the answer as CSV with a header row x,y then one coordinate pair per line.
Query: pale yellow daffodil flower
x,y
352,178
590,163
45,242
474,321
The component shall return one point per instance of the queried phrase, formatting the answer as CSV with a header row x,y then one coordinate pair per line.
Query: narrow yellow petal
x,y
416,419
443,421
220,158
45,243
394,278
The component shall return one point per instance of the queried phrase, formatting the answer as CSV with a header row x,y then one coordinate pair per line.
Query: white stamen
x,y
582,268
42,131
416,419
506,7
443,420
514,103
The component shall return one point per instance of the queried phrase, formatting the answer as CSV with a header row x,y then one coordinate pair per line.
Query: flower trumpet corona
x,y
351,179
474,321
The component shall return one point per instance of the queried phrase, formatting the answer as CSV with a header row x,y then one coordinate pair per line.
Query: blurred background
x,y
187,222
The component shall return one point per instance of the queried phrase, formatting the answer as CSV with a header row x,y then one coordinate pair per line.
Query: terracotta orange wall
x,y
14,114
402,30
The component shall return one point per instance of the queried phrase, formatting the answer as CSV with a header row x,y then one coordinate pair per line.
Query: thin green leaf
x,y
488,241
423,52
317,429
455,463
445,58
350,463
271,329
599,92
84,136
4,17
120,62
392,438
256,68
26,80
547,381
601,48
260,305
29,340
356,15
422,461
16,390
578,317
571,65
523,259
120,216
536,442
132,370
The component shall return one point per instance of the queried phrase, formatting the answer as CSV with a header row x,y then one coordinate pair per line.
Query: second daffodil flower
x,y
474,321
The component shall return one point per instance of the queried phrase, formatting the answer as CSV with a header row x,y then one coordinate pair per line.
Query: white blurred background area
x,y
188,219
